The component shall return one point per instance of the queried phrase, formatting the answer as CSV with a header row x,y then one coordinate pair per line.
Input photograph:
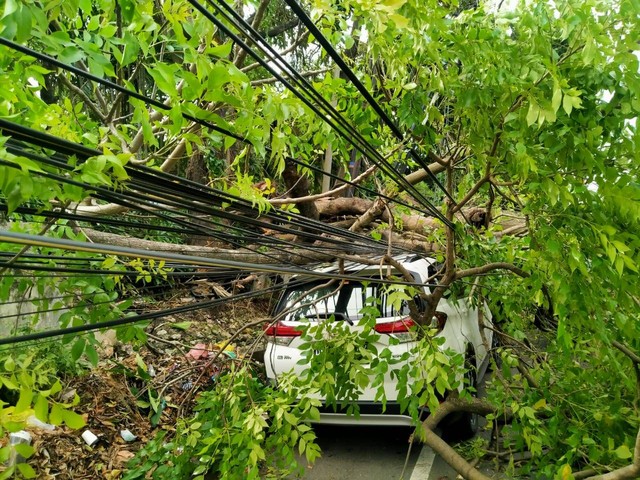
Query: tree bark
x,y
298,186
625,473
292,256
442,448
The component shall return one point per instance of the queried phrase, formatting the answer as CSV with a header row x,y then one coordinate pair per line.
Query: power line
x,y
202,192
118,197
72,245
155,103
317,34
362,144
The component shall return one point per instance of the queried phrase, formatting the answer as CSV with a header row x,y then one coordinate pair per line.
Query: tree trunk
x,y
298,186
197,172
293,256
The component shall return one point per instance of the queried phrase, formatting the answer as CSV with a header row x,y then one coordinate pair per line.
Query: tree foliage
x,y
529,108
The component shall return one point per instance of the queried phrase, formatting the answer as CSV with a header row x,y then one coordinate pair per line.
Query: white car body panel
x,y
460,332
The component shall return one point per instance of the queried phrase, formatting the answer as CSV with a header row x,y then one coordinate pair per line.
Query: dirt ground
x,y
182,357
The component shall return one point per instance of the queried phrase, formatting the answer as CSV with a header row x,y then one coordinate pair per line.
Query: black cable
x,y
205,192
115,196
60,214
381,163
135,318
118,197
58,309
65,244
34,300
149,101
317,34
109,194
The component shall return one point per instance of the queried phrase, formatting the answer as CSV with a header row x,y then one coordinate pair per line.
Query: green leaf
x,y
128,9
9,383
399,20
589,50
164,76
26,470
71,55
41,408
10,6
92,354
220,51
393,5
9,364
181,325
557,97
24,450
72,419
55,417
532,114
77,348
301,446
623,452
24,401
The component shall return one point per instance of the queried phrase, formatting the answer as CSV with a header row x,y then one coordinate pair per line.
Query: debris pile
x,y
135,393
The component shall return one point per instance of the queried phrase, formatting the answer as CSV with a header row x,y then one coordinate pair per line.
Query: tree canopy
x,y
265,136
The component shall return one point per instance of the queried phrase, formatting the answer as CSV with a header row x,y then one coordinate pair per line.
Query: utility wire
x,y
205,193
361,147
114,196
73,245
317,34
161,106
133,319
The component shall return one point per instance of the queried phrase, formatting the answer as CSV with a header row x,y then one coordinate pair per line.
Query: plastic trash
x,y
229,348
33,422
89,438
17,438
127,436
198,352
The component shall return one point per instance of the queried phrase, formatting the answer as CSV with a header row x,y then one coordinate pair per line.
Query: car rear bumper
x,y
370,414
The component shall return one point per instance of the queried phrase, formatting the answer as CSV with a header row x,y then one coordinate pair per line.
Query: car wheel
x,y
466,425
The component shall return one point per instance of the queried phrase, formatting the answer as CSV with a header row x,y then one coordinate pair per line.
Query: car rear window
x,y
316,300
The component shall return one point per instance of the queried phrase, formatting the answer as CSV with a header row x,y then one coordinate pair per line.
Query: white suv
x,y
314,301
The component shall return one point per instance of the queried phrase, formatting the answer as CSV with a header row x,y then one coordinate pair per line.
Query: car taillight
x,y
282,334
400,329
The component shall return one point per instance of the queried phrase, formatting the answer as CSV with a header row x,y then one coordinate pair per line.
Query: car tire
x,y
466,424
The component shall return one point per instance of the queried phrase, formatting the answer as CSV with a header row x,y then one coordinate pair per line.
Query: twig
x,y
330,193
78,91
310,73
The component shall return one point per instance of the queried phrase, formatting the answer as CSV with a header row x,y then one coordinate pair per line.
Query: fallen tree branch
x,y
294,256
310,73
625,473
490,267
627,351
330,193
442,448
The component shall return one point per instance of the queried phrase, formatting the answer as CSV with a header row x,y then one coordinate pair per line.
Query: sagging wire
x,y
317,34
73,245
164,107
67,147
380,162
110,195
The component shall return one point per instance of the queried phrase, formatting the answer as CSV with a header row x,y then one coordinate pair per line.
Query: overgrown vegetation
x,y
500,139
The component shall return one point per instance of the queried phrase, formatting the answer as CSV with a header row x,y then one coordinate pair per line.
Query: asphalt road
x,y
377,453
373,453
